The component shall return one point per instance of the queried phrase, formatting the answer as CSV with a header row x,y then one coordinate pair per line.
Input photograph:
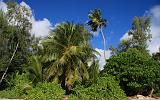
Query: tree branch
x,y
9,63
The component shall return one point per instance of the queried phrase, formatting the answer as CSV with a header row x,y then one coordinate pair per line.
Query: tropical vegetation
x,y
64,65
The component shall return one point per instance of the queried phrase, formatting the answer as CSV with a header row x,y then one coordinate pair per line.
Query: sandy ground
x,y
140,97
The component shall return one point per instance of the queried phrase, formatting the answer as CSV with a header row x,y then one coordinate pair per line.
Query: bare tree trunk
x,y
150,95
104,42
9,63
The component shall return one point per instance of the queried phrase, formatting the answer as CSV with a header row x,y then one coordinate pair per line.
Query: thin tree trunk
x,y
151,92
104,42
9,63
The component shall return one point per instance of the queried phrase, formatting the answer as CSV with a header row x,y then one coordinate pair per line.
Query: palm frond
x,y
68,51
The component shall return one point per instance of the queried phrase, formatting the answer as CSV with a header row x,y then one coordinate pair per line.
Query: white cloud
x,y
39,27
3,6
155,29
126,37
155,11
96,33
25,5
100,57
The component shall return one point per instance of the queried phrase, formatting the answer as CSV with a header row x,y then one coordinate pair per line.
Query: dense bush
x,y
18,86
105,89
45,91
137,72
21,89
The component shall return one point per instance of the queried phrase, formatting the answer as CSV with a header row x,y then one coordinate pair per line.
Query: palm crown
x,y
68,49
96,21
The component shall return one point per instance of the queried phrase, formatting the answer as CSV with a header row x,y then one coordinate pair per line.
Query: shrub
x,y
106,88
137,72
22,89
19,85
45,91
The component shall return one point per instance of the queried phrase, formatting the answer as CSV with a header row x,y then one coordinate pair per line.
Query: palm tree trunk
x,y
104,42
9,63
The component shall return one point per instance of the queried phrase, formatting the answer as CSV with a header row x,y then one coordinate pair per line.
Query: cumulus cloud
x,y
40,28
100,57
126,37
154,45
3,6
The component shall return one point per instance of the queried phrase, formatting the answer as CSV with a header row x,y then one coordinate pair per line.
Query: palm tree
x,y
96,21
67,50
36,68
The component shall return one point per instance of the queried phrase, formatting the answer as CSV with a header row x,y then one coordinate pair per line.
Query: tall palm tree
x,y
96,21
67,50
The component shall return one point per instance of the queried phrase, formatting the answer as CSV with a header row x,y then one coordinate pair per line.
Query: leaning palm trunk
x,y
9,63
104,42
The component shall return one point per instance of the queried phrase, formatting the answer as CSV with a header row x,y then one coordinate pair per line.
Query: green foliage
x,y
140,31
96,21
4,54
35,69
19,16
106,88
123,46
157,94
45,91
156,56
19,85
67,51
10,94
63,58
14,39
93,73
136,71
21,89
139,35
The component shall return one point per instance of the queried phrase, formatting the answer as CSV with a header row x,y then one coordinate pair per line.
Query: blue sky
x,y
119,14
